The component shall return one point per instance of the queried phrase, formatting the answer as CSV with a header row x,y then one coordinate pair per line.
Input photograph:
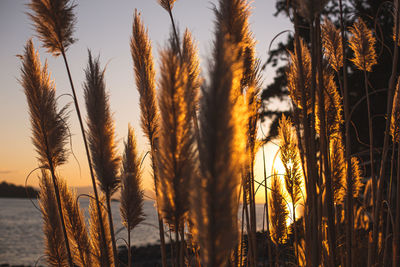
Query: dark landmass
x,y
16,191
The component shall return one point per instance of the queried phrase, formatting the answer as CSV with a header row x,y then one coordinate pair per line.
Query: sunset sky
x,y
104,26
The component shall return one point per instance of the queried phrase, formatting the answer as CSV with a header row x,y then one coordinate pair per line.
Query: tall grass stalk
x,y
49,127
55,22
145,82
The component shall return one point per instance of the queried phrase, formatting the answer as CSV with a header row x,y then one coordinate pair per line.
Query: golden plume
x,y
395,119
96,240
131,185
290,159
356,176
76,226
338,169
191,58
49,127
362,42
55,251
332,106
167,4
222,153
54,21
293,76
145,78
175,157
101,128
278,211
332,43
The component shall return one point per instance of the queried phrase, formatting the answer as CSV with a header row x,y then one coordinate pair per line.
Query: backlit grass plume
x,y
145,78
395,120
76,226
101,128
176,153
49,127
338,169
131,189
290,159
191,58
294,77
278,211
131,192
222,150
101,135
356,177
362,42
99,256
332,43
332,106
167,4
54,21
56,254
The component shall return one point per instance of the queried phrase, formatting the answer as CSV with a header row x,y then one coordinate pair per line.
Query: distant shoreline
x,y
8,190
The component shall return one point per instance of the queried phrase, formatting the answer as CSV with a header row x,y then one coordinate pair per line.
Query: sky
x,y
104,27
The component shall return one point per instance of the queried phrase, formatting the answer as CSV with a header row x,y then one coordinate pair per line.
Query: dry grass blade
x,y
54,21
290,159
76,226
175,157
222,118
362,42
167,4
49,127
56,254
96,240
145,78
332,43
131,189
395,119
278,211
101,128
294,75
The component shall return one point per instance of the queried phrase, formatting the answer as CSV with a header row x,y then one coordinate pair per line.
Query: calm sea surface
x,y
21,236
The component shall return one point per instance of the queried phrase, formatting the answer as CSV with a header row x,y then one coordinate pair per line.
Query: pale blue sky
x,y
104,26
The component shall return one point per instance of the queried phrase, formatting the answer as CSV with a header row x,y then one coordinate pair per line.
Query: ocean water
x,y
21,236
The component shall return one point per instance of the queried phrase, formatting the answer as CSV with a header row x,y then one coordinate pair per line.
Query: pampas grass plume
x,y
278,211
55,251
76,226
101,128
395,119
338,169
54,21
332,43
167,4
362,42
131,189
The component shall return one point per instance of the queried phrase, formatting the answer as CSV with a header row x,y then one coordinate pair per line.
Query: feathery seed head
x,y
294,77
278,211
131,189
356,176
49,129
395,119
54,21
101,128
362,42
332,105
75,225
145,78
167,4
96,239
332,43
56,254
338,164
290,159
175,157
